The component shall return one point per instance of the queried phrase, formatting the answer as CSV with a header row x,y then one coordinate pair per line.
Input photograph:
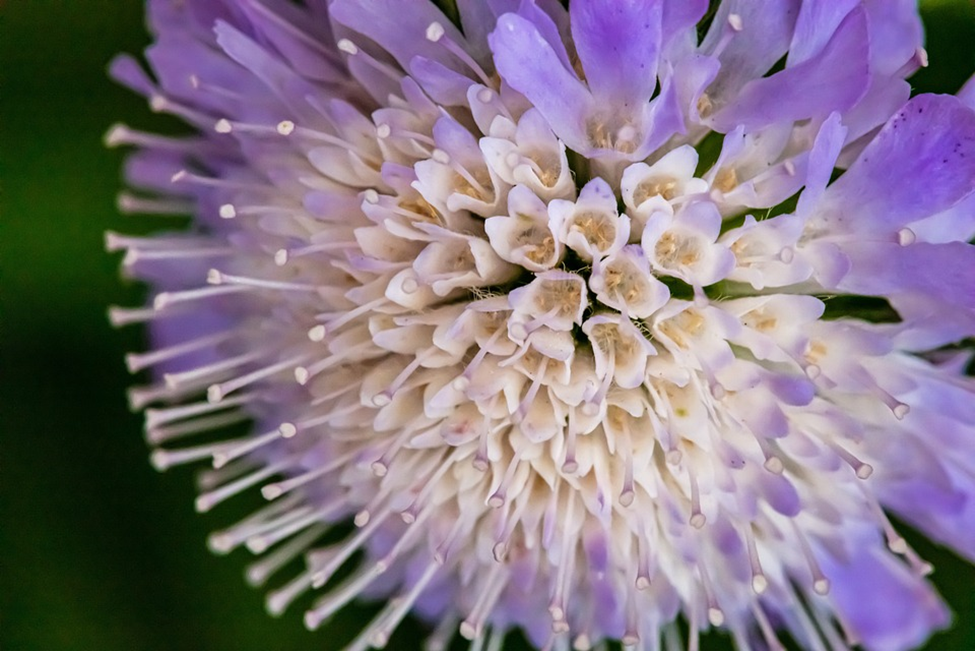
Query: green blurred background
x,y
97,550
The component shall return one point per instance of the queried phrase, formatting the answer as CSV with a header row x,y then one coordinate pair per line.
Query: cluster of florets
x,y
484,297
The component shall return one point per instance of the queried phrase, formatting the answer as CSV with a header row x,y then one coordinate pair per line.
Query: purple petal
x,y
829,141
833,80
921,163
816,23
967,93
443,85
681,15
547,27
767,28
529,65
888,607
884,268
400,26
896,33
618,42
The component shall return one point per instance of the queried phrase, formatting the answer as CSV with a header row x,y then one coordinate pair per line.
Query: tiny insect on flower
x,y
541,299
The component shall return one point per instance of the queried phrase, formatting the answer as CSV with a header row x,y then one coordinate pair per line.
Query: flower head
x,y
544,301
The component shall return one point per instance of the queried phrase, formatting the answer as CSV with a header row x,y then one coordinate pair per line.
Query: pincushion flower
x,y
554,304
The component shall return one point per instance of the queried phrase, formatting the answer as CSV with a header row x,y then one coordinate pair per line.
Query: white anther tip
x,y
178,176
901,411
361,518
759,583
317,333
379,468
286,127
735,22
774,465
223,126
715,616
271,492
864,471
906,237
158,103
214,394
347,46
383,131
228,211
203,503
697,521
467,630
287,430
440,156
821,586
281,257
921,56
302,375
371,196
898,545
214,277
626,498
485,95
159,460
435,32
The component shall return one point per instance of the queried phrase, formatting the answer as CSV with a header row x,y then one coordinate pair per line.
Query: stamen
x,y
208,500
340,596
820,582
259,572
165,299
497,498
223,542
490,592
193,376
759,580
385,397
284,431
436,34
350,546
136,362
215,277
157,417
276,490
217,392
159,435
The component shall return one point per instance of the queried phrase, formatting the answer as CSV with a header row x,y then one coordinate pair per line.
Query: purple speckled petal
x,y
921,163
619,44
833,80
529,65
